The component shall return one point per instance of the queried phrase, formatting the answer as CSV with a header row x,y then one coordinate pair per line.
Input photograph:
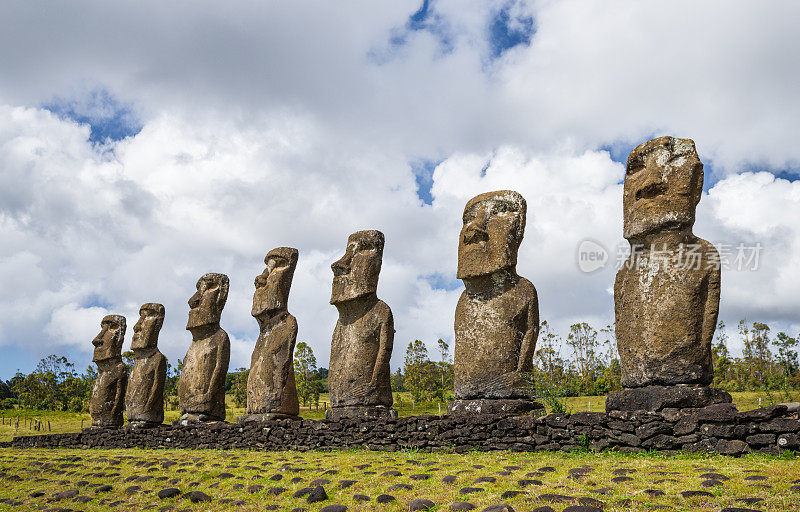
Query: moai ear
x,y
697,182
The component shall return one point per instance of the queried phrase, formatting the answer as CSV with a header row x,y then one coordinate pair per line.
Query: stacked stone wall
x,y
717,428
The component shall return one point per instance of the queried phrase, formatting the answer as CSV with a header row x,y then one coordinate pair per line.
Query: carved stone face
x,y
356,273
209,300
494,224
145,331
108,344
274,283
663,184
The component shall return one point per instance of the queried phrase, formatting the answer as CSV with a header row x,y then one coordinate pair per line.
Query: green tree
x,y
398,381
306,374
239,386
787,354
420,373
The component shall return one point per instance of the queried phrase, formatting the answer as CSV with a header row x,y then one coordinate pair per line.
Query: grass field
x,y
101,480
71,422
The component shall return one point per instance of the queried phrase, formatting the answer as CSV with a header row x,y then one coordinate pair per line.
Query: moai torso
x,y
108,394
201,388
144,401
360,351
271,385
666,305
496,336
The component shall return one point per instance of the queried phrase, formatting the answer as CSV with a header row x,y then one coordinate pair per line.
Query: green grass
x,y
52,471
61,422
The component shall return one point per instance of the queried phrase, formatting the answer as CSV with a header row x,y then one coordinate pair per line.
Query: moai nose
x,y
341,266
194,300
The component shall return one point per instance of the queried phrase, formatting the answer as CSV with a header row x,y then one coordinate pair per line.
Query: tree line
x,y
584,362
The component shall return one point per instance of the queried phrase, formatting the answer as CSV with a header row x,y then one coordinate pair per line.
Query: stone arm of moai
x,y
122,386
158,382
711,307
385,345
528,347
223,356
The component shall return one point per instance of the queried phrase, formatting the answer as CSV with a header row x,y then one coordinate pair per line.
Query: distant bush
x,y
76,404
8,403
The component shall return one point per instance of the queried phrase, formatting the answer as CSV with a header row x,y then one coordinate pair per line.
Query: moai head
x,y
145,331
494,224
663,184
108,344
356,273
207,303
274,283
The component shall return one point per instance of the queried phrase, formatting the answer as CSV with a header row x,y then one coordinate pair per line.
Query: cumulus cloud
x,y
246,127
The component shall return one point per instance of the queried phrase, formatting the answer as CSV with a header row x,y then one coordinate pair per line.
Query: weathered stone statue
x,y
144,402
271,391
666,295
201,388
497,316
108,393
359,377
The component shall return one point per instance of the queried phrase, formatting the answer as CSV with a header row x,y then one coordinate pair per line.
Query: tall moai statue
x,y
359,379
271,390
666,295
201,388
144,401
497,316
108,393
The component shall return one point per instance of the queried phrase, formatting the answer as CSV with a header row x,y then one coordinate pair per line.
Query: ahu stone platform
x,y
718,428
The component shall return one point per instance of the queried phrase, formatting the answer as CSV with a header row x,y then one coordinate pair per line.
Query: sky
x,y
144,144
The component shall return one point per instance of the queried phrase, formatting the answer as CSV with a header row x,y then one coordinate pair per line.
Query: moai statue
x,y
201,388
497,316
144,402
108,393
271,391
666,295
359,377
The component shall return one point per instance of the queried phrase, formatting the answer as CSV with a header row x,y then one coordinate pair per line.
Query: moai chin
x,y
201,388
108,392
271,390
144,401
666,295
497,316
359,377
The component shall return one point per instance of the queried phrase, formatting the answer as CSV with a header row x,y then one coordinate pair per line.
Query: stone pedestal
x,y
506,407
656,398
190,418
138,425
268,416
363,413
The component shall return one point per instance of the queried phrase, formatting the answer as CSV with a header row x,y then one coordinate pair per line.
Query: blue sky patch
x,y
506,32
440,281
423,175
108,118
